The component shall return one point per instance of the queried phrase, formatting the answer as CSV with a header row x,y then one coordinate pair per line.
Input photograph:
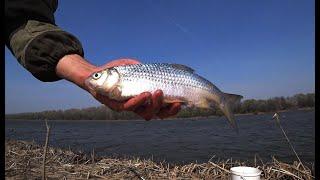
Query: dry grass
x,y
23,160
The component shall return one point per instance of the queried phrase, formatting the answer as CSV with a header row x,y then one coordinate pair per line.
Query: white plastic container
x,y
245,173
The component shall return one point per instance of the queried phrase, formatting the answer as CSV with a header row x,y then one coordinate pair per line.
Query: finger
x,y
171,110
145,111
148,111
157,101
137,101
112,104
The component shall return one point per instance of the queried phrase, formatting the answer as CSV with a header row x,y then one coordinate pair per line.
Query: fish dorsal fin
x,y
183,67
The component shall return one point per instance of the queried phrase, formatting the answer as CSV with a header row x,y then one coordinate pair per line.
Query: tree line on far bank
x,y
104,113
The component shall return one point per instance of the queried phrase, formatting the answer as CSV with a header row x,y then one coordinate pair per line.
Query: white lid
x,y
245,171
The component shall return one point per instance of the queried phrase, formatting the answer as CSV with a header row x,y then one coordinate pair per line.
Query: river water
x,y
179,141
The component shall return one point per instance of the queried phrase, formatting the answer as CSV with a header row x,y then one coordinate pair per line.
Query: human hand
x,y
76,69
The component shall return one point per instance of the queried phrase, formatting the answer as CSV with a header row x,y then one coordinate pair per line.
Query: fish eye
x,y
96,75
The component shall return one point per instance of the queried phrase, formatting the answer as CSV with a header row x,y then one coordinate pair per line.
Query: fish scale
x,y
162,73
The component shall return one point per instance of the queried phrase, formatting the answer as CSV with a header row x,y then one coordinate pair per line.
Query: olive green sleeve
x,y
39,46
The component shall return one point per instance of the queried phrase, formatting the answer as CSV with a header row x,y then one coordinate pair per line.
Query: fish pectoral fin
x,y
115,92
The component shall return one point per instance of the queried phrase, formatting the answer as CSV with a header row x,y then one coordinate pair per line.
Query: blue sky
x,y
258,49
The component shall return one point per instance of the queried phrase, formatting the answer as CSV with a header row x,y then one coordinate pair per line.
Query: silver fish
x,y
179,83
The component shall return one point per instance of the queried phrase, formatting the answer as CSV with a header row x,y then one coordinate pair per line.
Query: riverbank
x,y
23,160
193,118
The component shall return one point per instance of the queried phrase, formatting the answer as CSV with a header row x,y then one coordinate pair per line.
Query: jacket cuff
x,y
39,46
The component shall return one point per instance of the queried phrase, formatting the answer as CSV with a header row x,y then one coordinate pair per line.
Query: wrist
x,y
74,68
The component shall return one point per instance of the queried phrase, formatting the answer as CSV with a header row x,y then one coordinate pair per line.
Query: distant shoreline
x,y
177,118
245,114
286,110
247,107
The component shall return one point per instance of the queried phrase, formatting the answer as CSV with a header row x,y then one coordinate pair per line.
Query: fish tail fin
x,y
227,107
233,99
226,103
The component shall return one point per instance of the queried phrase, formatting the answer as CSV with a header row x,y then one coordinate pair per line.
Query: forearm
x,y
74,68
